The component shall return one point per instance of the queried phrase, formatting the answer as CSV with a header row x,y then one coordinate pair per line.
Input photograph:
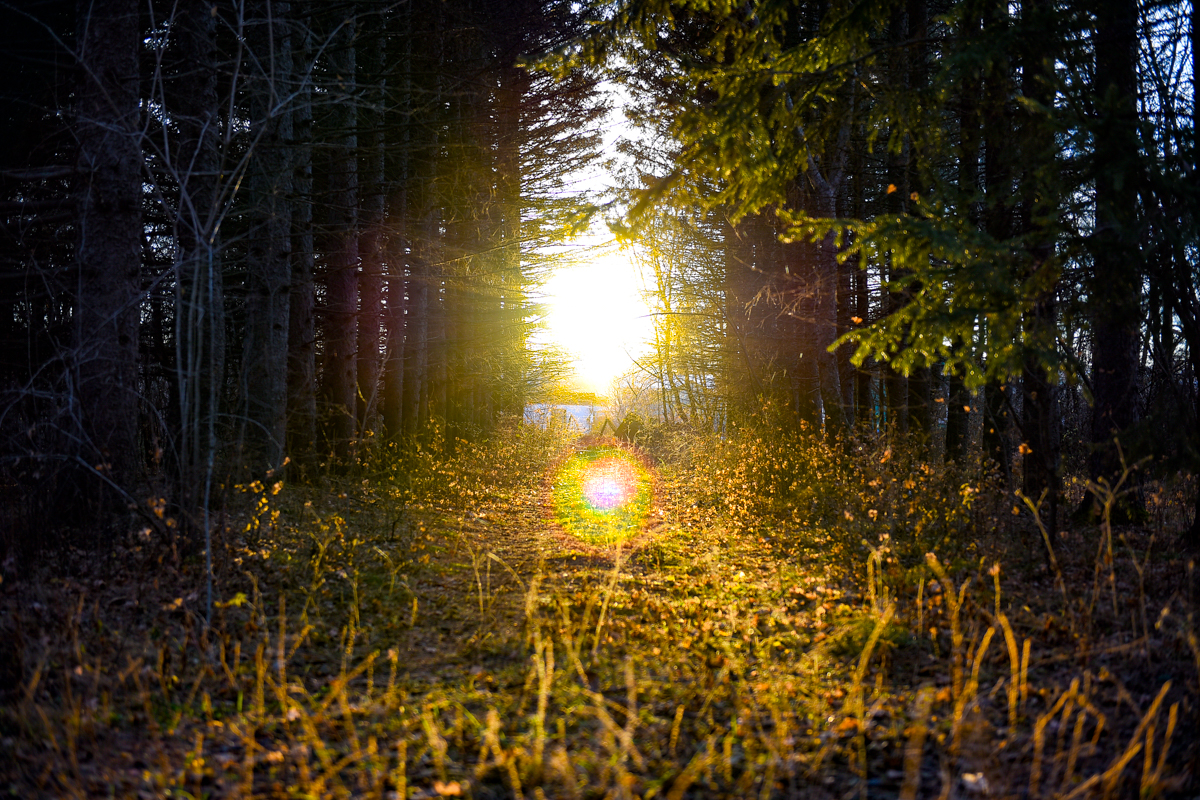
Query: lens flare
x,y
609,482
602,495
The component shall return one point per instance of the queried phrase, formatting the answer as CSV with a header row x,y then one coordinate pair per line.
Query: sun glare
x,y
602,495
596,313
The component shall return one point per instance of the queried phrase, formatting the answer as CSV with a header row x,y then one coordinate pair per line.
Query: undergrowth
x,y
804,618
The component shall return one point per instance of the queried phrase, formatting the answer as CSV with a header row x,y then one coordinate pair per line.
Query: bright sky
x,y
596,313
595,309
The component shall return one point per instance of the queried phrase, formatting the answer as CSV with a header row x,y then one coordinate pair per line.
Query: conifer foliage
x,y
969,198
244,236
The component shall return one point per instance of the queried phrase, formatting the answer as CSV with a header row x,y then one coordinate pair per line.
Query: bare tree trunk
x,y
862,381
825,307
340,387
1194,532
416,340
268,262
514,85
438,345
108,236
372,241
797,271
200,304
1116,284
302,369
1039,406
957,398
397,305
920,381
847,272
997,181
958,417
741,381
398,255
920,400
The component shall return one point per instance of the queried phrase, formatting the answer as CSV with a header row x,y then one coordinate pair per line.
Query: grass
x,y
425,633
602,495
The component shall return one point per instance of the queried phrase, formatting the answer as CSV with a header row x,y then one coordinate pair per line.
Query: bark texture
x,y
340,387
268,277
108,237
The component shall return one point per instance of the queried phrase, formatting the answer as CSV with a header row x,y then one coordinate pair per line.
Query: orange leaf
x,y
847,726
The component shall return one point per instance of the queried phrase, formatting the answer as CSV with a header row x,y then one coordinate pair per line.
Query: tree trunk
x,y
416,338
1194,532
1039,407
865,398
920,390
397,305
302,367
108,237
372,241
200,302
268,257
825,288
1116,281
399,261
994,436
997,218
957,398
514,85
340,387
845,312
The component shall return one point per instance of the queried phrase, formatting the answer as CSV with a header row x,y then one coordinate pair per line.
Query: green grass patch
x,y
602,495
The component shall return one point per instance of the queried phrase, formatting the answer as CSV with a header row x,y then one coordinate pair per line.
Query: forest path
x,y
477,563
474,562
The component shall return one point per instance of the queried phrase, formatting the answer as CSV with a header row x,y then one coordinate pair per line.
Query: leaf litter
x,y
426,632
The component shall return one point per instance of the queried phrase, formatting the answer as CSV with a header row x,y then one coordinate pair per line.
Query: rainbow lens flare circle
x,y
602,495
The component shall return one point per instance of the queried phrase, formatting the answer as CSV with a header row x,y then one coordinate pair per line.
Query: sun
x,y
596,312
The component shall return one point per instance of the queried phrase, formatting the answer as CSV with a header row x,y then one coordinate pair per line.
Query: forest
x,y
886,509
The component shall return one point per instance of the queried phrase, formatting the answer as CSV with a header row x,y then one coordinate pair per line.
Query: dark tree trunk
x,y
847,272
898,173
416,338
200,304
740,378
108,237
997,219
1194,533
800,288
399,261
302,368
372,240
958,417
920,392
340,387
1116,282
514,85
397,304
1039,407
920,400
268,262
825,307
994,436
957,398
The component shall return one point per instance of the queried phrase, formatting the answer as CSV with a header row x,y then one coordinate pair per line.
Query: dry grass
x,y
422,633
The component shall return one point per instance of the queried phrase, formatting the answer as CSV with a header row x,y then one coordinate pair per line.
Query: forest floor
x,y
435,631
